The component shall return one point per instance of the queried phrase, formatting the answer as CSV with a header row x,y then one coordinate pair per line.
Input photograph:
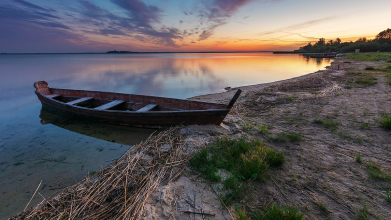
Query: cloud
x,y
141,14
111,32
22,36
32,6
299,26
25,11
217,13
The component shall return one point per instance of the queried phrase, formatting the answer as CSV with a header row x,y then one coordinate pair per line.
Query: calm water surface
x,y
37,145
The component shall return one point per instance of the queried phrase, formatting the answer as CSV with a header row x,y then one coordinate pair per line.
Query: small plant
x,y
263,129
364,125
314,92
369,68
385,122
328,123
366,81
241,214
358,158
293,136
290,98
375,172
275,212
388,193
274,158
323,207
286,136
365,112
388,76
247,125
362,214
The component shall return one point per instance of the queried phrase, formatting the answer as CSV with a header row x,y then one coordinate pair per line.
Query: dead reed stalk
x,y
120,190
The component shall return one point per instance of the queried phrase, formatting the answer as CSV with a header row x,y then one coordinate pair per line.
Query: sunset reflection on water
x,y
171,75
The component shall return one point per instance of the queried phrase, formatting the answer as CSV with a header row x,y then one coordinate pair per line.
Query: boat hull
x,y
151,119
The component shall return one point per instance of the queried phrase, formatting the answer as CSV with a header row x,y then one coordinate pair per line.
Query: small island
x,y
116,51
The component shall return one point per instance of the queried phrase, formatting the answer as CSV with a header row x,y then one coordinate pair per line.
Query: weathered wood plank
x,y
147,108
109,105
52,96
78,101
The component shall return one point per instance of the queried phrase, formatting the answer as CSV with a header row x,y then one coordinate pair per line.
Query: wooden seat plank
x,y
78,101
109,105
147,108
52,96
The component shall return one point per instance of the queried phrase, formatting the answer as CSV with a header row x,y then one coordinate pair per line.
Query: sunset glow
x,y
173,25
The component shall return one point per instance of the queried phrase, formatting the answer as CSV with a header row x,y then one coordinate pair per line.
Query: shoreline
x,y
290,105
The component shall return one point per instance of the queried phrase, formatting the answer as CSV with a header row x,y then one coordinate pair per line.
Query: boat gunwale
x,y
223,107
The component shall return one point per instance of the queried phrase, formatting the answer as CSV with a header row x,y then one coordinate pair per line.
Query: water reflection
x,y
118,134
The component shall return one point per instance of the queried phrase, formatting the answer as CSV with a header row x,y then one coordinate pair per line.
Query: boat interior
x,y
105,104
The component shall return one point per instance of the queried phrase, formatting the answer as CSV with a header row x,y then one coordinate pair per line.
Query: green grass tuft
x,y
275,212
328,123
366,81
362,214
290,98
274,158
358,158
263,129
285,137
385,122
388,76
375,172
369,68
388,194
243,160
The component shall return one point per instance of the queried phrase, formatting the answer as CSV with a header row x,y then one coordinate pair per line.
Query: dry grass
x,y
120,190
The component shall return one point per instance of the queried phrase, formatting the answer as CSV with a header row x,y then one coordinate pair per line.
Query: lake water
x,y
40,146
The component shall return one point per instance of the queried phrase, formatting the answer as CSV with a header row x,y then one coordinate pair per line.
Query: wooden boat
x,y
129,109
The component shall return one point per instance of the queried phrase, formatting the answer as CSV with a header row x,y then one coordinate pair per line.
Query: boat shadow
x,y
108,132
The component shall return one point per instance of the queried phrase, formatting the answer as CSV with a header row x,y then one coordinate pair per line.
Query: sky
x,y
72,26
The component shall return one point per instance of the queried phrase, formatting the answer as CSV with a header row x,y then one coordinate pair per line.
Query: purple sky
x,y
175,25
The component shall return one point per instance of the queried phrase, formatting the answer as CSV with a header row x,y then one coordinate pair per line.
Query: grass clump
x,y
362,214
387,69
241,214
358,158
385,122
373,56
375,172
263,129
243,160
366,81
290,98
274,212
388,76
285,137
314,92
322,207
364,125
388,194
328,123
369,68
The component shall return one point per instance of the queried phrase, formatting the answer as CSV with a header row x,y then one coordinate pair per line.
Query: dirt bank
x,y
334,115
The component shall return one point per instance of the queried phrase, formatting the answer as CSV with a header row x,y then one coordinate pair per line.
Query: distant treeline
x,y
382,42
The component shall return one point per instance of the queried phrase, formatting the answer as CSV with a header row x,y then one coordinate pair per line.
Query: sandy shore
x,y
321,175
